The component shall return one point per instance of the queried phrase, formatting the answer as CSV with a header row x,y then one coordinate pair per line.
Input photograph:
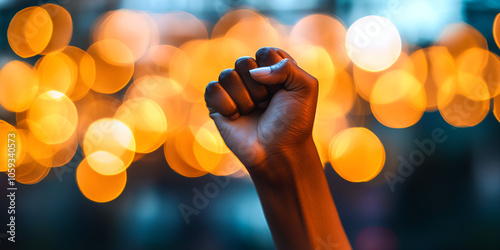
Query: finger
x,y
257,91
287,73
219,101
268,56
230,80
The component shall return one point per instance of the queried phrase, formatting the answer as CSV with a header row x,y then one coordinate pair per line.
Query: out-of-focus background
x,y
439,187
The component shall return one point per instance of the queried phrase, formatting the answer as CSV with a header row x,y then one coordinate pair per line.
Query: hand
x,y
263,107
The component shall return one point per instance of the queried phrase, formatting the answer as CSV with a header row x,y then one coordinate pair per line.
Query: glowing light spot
x,y
180,27
496,29
18,86
30,31
111,136
176,162
365,80
398,99
128,27
316,61
85,75
52,118
206,55
255,33
164,61
105,163
114,65
62,28
98,187
167,93
346,149
230,19
373,43
457,109
56,71
459,37
323,31
146,121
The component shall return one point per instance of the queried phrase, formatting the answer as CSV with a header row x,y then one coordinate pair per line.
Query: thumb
x,y
285,72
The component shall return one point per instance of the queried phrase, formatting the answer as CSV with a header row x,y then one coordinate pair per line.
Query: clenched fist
x,y
264,106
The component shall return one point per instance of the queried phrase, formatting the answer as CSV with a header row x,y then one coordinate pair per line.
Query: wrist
x,y
285,166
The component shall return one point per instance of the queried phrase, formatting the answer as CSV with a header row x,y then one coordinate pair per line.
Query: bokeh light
x,y
98,187
128,27
398,99
113,137
30,31
346,149
373,43
114,65
323,31
147,122
52,118
18,86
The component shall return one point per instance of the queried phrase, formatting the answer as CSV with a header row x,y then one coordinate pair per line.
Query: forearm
x,y
297,202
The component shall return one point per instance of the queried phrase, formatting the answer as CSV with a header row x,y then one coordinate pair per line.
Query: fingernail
x,y
235,116
262,71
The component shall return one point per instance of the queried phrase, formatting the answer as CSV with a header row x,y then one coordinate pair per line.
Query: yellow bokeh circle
x,y
357,154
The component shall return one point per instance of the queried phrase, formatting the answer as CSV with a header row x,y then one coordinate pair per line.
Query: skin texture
x,y
266,116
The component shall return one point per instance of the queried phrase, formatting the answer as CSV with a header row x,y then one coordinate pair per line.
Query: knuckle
x,y
210,89
245,63
264,52
225,73
287,64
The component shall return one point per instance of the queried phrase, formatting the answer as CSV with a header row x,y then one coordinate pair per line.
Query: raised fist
x,y
264,106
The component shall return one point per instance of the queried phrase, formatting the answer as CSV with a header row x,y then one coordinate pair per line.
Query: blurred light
x,y
56,71
52,118
129,28
62,28
180,27
176,162
18,86
85,74
457,109
232,18
398,99
323,31
98,187
164,61
373,43
167,93
346,149
30,31
496,29
111,136
459,37
316,61
114,65
365,80
146,121
255,33
92,107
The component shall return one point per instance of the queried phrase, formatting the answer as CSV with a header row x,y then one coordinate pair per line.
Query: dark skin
x,y
264,109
